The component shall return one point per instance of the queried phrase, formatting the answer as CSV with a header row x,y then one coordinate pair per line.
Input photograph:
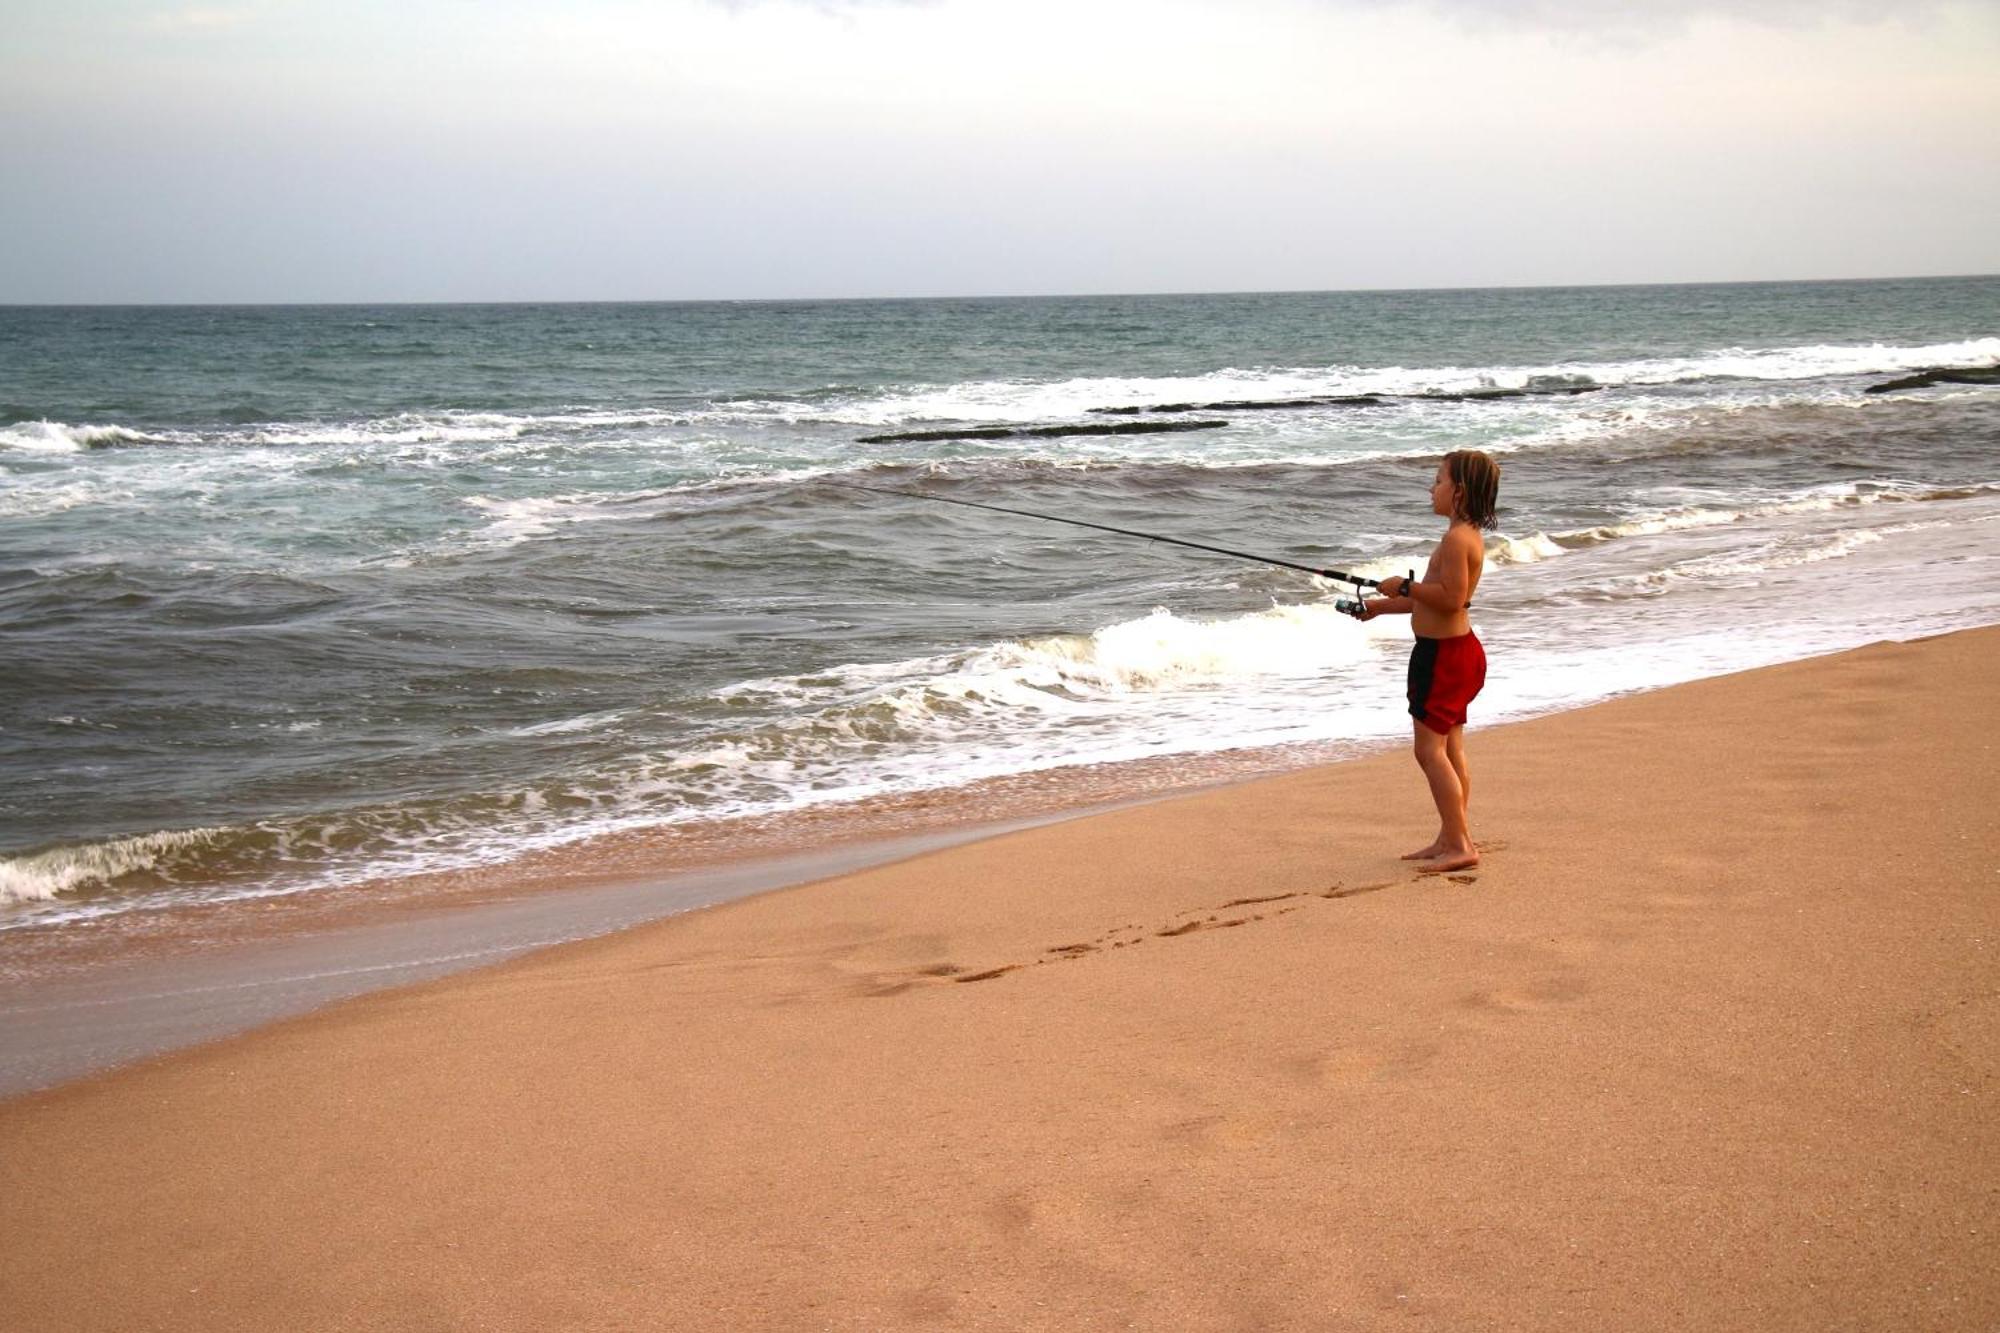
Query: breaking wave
x,y
1019,400
44,875
57,437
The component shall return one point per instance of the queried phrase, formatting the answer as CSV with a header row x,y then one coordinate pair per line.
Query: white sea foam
x,y
30,498
516,520
1058,676
1782,551
473,427
1167,651
1809,550
1836,495
404,428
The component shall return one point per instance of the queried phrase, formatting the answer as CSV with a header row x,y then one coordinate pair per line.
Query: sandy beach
x,y
1708,1041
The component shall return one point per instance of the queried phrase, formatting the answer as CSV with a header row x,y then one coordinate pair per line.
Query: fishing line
x,y
1334,574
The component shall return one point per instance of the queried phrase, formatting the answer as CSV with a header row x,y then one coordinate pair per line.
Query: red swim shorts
x,y
1445,677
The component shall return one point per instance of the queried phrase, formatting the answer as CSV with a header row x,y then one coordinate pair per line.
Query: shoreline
x,y
102,1013
676,848
1696,1046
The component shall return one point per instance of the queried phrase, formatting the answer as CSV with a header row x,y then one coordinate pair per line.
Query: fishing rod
x,y
1343,604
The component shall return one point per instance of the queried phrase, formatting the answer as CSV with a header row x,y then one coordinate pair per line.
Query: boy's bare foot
x,y
1426,853
1450,859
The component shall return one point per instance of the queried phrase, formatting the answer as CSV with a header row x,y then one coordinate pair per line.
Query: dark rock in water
x,y
1248,405
1254,405
1014,432
1923,379
1492,395
1562,384
1352,400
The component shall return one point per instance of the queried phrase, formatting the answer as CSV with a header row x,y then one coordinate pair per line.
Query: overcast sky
x,y
421,150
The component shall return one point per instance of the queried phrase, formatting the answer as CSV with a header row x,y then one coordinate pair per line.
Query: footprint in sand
x,y
1354,890
1359,1064
878,985
1540,993
1252,902
989,973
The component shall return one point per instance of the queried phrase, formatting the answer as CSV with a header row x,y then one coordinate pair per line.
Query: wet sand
x,y
1708,1041
186,982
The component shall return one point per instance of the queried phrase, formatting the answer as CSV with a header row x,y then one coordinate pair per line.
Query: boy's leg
x,y
1454,748
1455,755
1435,847
1454,846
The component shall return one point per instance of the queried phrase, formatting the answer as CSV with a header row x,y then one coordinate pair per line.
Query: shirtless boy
x,y
1447,666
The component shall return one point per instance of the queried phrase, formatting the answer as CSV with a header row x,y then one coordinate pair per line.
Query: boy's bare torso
x,y
1458,561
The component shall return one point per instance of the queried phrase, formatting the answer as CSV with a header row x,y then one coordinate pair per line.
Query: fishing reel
x,y
1357,605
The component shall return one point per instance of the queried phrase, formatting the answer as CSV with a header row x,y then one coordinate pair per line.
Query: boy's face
x,y
1444,494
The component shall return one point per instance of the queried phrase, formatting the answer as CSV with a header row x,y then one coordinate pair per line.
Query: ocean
x,y
296,599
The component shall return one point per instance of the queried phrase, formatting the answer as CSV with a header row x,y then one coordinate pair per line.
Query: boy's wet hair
x,y
1477,478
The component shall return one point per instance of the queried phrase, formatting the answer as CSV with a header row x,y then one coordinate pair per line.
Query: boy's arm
x,y
1385,606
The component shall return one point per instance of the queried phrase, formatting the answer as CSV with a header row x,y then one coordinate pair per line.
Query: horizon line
x,y
1022,296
